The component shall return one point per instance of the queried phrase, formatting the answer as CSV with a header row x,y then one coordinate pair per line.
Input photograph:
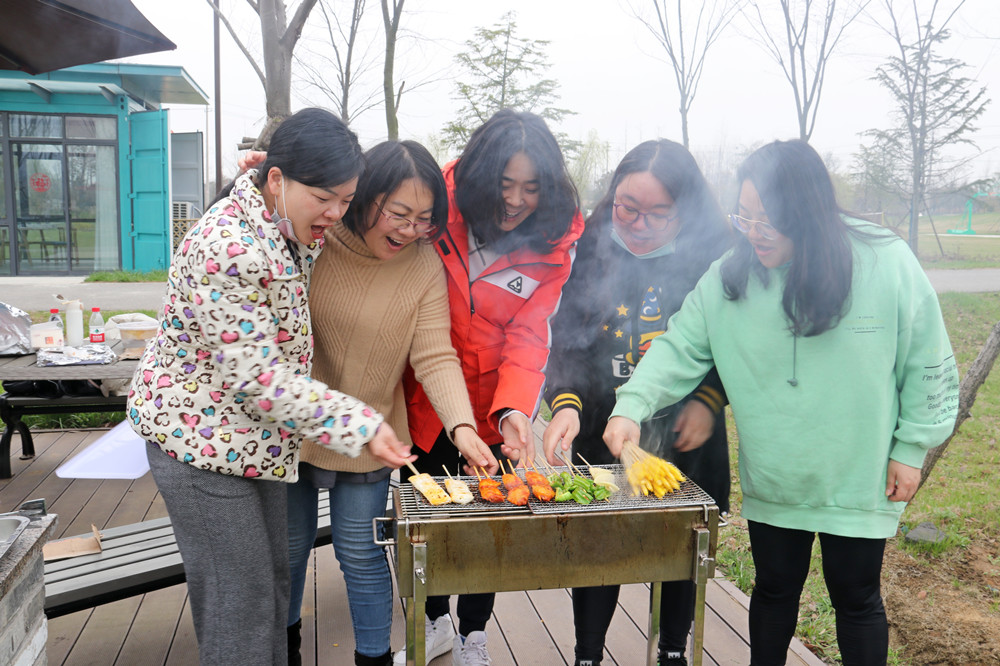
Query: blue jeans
x,y
366,572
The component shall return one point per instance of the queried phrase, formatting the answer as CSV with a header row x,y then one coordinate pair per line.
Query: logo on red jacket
x,y
513,282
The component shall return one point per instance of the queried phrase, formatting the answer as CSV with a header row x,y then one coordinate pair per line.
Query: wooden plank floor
x,y
529,629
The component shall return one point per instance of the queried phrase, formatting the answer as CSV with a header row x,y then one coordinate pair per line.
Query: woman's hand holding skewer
x,y
619,431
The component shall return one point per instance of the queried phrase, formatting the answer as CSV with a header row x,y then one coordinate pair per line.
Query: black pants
x,y
593,608
852,569
474,610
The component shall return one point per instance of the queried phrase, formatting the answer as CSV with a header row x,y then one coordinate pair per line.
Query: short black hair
x,y
479,175
387,166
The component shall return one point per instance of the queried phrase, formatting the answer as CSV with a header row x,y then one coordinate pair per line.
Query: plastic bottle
x,y
55,317
74,323
96,326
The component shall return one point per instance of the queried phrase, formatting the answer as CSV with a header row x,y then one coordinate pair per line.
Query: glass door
x,y
40,207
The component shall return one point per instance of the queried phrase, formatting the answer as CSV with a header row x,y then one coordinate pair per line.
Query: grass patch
x,y
127,276
959,497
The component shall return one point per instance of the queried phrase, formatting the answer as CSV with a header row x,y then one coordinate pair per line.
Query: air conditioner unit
x,y
182,210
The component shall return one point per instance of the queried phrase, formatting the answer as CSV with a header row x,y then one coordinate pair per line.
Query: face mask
x,y
283,223
661,251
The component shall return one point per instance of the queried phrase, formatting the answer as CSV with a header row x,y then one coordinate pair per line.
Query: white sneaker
x,y
438,637
472,652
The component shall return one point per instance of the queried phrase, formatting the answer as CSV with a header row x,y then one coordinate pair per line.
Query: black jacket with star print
x,y
612,306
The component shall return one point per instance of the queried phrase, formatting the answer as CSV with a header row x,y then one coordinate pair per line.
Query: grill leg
x,y
655,593
701,569
416,611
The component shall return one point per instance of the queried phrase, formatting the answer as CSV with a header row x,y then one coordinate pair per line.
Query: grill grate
x,y
414,504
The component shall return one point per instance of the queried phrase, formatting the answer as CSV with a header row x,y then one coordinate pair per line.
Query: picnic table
x,y
14,407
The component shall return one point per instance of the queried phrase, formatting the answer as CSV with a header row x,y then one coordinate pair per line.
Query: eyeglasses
x,y
745,224
655,221
401,223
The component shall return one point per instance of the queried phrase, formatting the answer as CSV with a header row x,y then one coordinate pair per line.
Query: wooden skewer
x,y
476,470
412,468
445,468
585,461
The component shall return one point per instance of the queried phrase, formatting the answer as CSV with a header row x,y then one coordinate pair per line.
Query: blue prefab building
x,y
85,168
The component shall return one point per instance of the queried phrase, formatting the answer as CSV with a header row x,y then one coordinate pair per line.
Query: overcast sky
x,y
610,70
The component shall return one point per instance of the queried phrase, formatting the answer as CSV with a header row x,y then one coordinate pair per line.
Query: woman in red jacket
x,y
508,249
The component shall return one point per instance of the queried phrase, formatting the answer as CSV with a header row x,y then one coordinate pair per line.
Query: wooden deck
x,y
529,628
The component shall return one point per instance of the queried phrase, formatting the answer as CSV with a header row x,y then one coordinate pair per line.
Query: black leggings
x,y
852,569
474,610
593,608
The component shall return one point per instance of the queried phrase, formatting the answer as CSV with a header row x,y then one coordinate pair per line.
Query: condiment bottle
x,y
96,326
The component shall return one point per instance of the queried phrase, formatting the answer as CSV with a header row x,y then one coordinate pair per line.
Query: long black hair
x,y
387,166
797,193
315,148
704,234
479,174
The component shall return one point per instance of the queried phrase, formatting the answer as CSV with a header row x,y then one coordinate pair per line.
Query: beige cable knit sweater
x,y
370,317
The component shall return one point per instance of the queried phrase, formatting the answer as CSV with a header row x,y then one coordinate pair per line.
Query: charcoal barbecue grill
x,y
480,547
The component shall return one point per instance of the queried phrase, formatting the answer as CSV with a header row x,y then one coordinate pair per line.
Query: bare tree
x,y
804,52
351,58
967,390
935,107
688,59
391,97
278,39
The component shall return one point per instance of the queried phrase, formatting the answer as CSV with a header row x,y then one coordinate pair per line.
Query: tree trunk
x,y
974,378
391,23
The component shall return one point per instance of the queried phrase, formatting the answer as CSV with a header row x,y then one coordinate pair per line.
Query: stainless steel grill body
x,y
452,549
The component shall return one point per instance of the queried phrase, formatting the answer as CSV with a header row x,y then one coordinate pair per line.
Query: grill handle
x,y
383,519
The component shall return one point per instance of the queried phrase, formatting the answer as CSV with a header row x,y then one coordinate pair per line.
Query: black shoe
x,y
671,659
362,660
587,662
294,644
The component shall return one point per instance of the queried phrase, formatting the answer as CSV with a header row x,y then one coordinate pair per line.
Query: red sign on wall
x,y
40,182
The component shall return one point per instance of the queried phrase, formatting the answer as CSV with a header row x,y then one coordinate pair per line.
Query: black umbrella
x,y
44,35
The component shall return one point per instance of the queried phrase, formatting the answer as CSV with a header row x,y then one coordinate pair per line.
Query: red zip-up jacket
x,y
499,326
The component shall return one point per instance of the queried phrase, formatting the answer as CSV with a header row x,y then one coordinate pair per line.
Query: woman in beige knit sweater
x,y
379,301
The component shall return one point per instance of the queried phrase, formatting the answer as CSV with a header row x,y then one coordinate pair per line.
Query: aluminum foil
x,y
88,354
15,331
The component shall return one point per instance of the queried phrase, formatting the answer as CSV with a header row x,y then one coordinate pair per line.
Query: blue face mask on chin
x,y
283,223
661,251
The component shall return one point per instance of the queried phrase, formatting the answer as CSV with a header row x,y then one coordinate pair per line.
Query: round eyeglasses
x,y
744,225
400,223
656,221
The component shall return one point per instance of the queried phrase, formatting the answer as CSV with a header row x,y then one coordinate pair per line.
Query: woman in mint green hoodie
x,y
830,343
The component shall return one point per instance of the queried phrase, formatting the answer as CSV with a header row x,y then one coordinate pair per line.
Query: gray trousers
x,y
233,537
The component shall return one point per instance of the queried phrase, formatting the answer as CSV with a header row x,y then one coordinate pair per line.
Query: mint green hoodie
x,y
814,456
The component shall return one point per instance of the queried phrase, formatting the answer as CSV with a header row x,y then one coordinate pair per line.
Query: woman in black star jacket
x,y
646,244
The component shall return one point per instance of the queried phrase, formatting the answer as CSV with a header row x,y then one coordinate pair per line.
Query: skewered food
x,y
457,489
540,486
518,495
489,489
648,474
510,480
428,487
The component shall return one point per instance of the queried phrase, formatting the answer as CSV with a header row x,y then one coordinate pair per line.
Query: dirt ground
x,y
944,612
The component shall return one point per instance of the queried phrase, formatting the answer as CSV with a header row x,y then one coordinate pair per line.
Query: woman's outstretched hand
x,y
475,451
388,449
